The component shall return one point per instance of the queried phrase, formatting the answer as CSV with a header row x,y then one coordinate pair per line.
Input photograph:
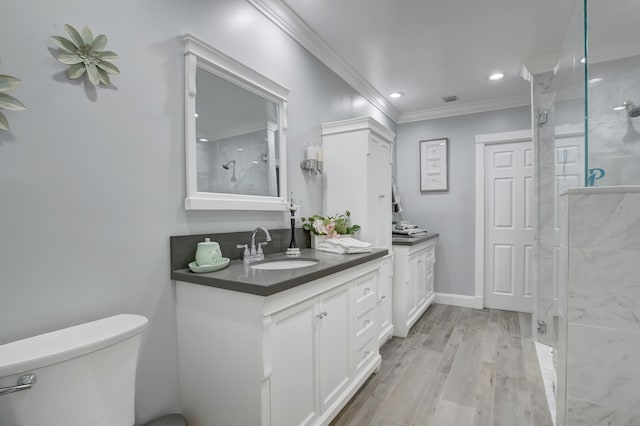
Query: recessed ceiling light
x,y
583,60
496,76
204,140
196,115
255,162
395,95
239,149
595,81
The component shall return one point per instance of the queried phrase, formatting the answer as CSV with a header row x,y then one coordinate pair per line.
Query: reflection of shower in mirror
x,y
226,167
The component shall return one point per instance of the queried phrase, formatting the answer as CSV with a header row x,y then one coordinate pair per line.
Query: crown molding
x,y
285,18
463,109
354,124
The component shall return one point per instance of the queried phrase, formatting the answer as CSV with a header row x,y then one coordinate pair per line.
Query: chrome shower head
x,y
632,109
226,166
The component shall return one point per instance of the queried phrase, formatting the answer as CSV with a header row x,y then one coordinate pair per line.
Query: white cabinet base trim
x,y
459,300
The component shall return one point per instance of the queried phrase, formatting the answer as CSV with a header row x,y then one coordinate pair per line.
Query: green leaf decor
x,y
8,102
85,55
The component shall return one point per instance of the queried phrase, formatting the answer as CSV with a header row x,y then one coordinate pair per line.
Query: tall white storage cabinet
x,y
358,155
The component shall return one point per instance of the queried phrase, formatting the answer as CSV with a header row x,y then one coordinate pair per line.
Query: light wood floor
x,y
457,367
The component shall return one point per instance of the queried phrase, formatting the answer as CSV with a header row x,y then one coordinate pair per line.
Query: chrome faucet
x,y
255,254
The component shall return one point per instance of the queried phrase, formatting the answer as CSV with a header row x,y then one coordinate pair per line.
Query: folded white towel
x,y
348,242
405,226
345,246
358,250
410,232
330,248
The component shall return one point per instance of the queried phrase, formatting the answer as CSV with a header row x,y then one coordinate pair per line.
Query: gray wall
x,y
451,213
92,181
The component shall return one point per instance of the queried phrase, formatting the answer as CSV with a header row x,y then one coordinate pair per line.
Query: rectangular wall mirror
x,y
235,133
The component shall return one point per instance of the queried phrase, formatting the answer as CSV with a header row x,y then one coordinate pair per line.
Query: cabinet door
x,y
334,340
421,278
384,299
412,296
293,380
430,280
379,192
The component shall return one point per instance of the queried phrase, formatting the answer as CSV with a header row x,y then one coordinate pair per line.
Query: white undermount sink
x,y
279,264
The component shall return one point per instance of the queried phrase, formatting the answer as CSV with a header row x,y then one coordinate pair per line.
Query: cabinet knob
x,y
322,315
367,353
366,321
367,290
383,297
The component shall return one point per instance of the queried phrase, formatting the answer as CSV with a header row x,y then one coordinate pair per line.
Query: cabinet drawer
x,y
366,292
365,326
366,352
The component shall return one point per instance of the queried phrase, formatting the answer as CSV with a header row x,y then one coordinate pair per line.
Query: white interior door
x,y
508,226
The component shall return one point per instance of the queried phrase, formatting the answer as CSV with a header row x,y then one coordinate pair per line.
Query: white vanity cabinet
x,y
413,283
292,358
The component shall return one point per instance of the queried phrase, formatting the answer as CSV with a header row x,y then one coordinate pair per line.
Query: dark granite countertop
x,y
398,240
240,277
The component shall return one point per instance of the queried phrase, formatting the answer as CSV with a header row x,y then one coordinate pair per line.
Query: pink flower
x,y
319,227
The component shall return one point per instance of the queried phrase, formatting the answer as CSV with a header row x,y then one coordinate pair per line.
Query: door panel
x,y
293,380
411,284
508,226
334,340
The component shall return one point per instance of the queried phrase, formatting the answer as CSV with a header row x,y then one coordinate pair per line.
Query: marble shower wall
x,y
614,138
600,312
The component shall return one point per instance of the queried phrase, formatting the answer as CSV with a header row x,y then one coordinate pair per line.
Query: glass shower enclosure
x,y
586,122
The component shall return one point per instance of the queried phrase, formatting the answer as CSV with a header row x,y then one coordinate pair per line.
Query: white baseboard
x,y
459,300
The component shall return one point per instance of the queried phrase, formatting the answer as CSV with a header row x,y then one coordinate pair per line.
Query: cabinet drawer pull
x,y
322,314
383,297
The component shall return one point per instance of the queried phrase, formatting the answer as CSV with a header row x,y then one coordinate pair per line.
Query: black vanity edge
x,y
239,277
398,240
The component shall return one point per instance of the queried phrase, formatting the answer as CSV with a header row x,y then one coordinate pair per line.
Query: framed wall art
x,y
434,165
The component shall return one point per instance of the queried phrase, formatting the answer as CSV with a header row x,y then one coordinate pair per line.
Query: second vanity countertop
x,y
240,277
399,240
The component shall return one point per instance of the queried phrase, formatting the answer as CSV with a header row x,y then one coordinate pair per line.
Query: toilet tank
x,y
85,375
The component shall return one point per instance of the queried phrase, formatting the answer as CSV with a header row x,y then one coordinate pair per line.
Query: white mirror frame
x,y
199,54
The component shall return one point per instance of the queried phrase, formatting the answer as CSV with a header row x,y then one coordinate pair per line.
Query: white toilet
x,y
84,375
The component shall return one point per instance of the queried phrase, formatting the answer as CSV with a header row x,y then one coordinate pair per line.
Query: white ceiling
x,y
429,48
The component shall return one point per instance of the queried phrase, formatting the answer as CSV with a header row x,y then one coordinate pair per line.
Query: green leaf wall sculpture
x,y
7,101
85,55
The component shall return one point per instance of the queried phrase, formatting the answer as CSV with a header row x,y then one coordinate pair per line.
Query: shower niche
x,y
235,133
